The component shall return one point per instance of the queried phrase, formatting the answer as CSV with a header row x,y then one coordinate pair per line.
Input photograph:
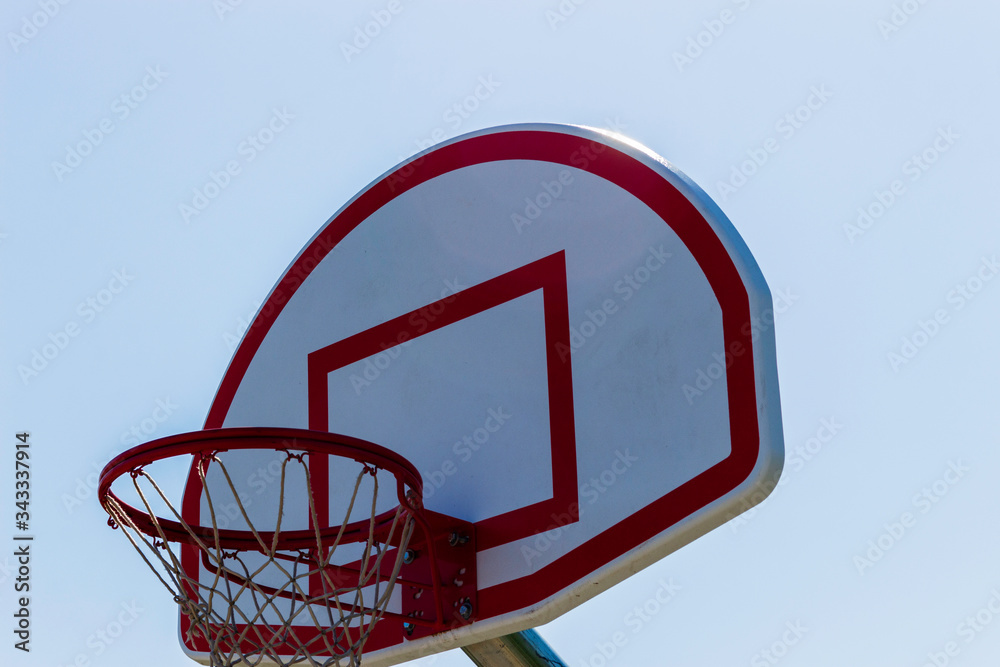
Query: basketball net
x,y
320,614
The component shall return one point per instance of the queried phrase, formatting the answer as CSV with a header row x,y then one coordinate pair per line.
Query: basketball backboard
x,y
522,313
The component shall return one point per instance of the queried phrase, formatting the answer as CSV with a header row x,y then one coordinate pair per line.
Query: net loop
x,y
291,456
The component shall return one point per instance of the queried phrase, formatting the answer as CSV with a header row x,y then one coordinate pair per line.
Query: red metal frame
x,y
212,441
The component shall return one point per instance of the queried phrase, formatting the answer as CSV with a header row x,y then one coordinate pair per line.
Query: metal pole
x,y
521,649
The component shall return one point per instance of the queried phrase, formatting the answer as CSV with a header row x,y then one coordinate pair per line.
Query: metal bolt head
x,y
465,611
408,628
409,556
455,538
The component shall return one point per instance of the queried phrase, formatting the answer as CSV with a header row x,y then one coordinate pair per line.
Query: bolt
x,y
455,538
408,628
409,556
465,611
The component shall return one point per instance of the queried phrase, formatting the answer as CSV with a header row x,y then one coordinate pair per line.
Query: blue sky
x,y
852,145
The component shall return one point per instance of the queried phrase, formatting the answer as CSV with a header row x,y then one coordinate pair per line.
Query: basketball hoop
x,y
488,394
261,581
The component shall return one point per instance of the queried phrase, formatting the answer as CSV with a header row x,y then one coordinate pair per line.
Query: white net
x,y
262,603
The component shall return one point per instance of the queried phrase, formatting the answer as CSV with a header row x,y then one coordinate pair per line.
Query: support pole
x,y
521,649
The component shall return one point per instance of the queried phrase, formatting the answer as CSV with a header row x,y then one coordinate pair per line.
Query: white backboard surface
x,y
559,330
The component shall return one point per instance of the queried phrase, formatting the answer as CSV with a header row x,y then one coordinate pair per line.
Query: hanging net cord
x,y
318,615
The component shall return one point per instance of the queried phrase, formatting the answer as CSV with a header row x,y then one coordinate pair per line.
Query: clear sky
x,y
852,145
